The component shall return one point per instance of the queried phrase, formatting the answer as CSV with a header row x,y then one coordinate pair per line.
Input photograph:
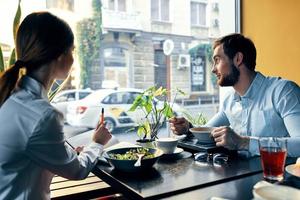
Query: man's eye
x,y
216,60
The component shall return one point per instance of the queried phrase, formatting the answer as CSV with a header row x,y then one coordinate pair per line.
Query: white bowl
x,y
203,134
167,145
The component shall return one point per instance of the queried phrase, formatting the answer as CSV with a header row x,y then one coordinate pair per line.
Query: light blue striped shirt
x,y
32,146
270,107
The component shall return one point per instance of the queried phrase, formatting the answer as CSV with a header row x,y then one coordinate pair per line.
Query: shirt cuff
x,y
96,146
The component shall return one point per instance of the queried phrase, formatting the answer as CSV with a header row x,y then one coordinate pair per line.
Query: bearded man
x,y
259,106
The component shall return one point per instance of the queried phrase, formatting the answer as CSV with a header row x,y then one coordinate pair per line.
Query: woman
x,y
32,145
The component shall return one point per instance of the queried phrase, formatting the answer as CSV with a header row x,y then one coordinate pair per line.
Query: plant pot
x,y
147,143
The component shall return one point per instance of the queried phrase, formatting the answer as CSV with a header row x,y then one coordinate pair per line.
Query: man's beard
x,y
231,79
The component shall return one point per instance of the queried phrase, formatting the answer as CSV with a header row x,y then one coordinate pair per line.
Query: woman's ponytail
x,y
8,80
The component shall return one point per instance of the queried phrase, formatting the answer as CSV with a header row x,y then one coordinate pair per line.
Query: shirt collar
x,y
32,85
253,89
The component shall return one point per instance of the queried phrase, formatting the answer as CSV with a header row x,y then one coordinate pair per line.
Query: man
x,y
258,106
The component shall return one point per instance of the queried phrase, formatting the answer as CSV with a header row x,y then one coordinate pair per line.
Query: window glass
x,y
160,10
122,5
198,14
60,4
83,94
155,9
126,48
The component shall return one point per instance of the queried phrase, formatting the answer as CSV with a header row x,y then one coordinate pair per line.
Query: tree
x,y
89,36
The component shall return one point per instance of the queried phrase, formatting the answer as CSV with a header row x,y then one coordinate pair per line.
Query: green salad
x,y
132,154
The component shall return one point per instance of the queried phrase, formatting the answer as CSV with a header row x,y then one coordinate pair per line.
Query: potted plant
x,y
196,120
156,108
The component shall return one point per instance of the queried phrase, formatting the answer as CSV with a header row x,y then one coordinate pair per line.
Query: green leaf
x,y
168,112
148,128
17,20
137,102
140,131
148,107
1,61
12,58
52,94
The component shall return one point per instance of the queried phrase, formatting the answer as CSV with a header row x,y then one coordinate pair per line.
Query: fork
x,y
138,162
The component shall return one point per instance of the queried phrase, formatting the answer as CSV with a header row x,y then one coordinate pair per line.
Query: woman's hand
x,y
79,149
101,135
179,125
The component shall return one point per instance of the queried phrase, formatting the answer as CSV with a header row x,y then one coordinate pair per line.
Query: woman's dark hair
x,y
41,38
234,43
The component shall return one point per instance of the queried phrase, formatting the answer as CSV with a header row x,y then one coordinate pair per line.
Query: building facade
x,y
137,34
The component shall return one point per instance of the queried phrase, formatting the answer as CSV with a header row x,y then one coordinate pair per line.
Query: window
x,y
160,10
117,5
61,4
83,94
115,57
198,14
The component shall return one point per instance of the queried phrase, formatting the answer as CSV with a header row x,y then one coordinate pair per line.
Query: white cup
x,y
167,145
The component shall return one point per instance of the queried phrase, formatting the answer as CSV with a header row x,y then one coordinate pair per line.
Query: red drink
x,y
273,160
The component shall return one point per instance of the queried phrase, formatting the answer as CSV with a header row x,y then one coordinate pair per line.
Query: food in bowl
x,y
132,154
126,164
203,134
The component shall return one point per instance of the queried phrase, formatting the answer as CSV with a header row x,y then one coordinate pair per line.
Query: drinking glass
x,y
273,154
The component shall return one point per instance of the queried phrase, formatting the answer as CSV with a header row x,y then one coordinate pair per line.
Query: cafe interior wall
x,y
274,28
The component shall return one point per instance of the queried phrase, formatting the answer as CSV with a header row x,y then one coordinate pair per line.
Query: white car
x,y
116,103
65,97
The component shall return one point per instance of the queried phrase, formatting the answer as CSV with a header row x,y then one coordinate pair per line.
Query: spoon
x,y
138,162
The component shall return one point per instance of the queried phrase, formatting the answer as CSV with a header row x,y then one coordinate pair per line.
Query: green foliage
x,y
12,58
197,120
16,23
1,61
17,20
89,36
155,112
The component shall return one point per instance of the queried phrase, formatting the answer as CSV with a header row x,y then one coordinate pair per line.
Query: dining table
x,y
182,177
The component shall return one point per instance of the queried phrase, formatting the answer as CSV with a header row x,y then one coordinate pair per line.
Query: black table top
x,y
177,175
234,190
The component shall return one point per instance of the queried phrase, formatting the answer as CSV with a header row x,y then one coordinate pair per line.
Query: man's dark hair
x,y
234,43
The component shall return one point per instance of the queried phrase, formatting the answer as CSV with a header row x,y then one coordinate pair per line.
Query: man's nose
x,y
213,68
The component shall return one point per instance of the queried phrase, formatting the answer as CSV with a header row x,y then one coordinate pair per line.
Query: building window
x,y
115,57
117,5
160,10
198,14
60,4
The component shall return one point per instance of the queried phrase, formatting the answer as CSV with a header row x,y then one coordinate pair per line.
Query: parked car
x,y
65,97
116,103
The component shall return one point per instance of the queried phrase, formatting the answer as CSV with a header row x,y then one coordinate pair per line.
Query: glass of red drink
x,y
273,154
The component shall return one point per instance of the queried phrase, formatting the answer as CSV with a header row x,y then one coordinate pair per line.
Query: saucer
x,y
177,151
293,170
276,192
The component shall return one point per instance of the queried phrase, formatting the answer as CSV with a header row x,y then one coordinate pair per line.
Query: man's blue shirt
x,y
270,107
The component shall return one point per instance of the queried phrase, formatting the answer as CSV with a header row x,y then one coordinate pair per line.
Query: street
x,y
79,136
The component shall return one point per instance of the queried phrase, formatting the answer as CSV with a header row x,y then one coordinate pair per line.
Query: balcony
x,y
120,21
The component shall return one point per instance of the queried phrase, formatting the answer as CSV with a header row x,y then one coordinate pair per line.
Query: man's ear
x,y
238,59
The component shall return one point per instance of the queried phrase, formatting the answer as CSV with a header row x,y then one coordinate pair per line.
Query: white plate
x,y
293,170
177,151
276,192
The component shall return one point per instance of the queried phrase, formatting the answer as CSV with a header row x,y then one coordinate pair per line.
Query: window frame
x,y
160,12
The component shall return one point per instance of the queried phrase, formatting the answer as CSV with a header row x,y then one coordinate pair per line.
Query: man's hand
x,y
179,125
226,137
